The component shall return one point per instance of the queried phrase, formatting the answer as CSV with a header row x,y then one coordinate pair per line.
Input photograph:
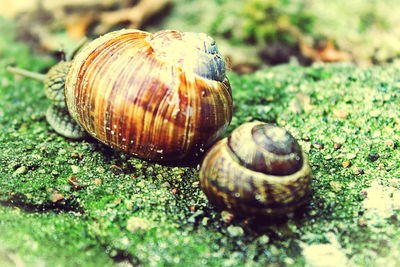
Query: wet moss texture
x,y
80,203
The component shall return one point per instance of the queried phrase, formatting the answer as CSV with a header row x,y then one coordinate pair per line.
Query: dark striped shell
x,y
259,169
158,96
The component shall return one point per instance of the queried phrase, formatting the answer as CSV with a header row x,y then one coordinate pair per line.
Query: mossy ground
x,y
71,203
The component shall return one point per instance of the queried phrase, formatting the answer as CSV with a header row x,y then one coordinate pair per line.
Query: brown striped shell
x,y
158,96
259,169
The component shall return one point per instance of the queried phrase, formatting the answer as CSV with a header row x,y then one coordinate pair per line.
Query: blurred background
x,y
251,34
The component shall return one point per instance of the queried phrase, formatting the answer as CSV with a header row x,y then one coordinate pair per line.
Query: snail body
x,y
259,169
159,96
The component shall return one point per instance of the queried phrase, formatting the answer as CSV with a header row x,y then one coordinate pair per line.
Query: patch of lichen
x,y
66,201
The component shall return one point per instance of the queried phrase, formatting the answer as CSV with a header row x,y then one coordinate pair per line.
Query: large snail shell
x,y
157,96
259,169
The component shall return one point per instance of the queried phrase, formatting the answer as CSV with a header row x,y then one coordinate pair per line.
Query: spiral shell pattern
x,y
230,183
131,90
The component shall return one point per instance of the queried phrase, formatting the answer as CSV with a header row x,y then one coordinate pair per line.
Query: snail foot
x,y
62,122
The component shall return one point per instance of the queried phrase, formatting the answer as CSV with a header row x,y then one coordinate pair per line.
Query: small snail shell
x,y
259,169
158,96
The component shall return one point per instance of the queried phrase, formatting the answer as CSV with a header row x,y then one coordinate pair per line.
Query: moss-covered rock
x,y
69,202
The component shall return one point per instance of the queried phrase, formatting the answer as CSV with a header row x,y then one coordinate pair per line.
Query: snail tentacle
x,y
71,54
28,74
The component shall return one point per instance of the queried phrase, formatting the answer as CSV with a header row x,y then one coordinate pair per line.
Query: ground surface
x,y
65,203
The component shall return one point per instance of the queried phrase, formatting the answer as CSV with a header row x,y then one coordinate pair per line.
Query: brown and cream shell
x,y
161,96
259,169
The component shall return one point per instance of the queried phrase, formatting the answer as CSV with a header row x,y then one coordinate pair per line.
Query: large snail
x,y
259,169
158,96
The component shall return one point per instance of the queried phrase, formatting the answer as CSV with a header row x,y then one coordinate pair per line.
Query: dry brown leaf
x,y
326,53
77,25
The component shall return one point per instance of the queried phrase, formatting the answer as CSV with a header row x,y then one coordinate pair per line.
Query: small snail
x,y
259,169
158,96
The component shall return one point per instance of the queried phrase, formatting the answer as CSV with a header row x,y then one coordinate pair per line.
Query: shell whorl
x,y
230,184
192,52
127,95
269,149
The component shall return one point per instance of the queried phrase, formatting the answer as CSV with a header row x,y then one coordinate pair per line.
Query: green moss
x,y
44,237
69,202
366,29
